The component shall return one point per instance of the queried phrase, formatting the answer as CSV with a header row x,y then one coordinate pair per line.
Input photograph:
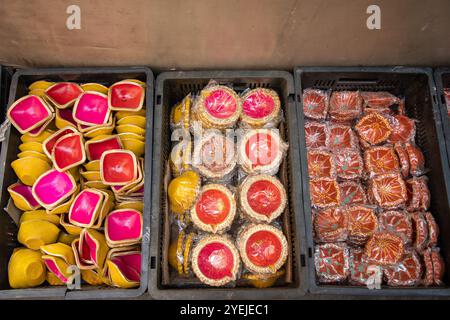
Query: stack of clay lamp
x,y
226,209
369,191
81,183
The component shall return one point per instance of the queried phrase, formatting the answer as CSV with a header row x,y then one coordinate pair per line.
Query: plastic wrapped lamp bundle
x,y
261,108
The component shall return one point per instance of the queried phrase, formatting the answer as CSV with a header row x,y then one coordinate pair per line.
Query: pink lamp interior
x,y
28,112
53,186
25,191
124,225
84,207
92,109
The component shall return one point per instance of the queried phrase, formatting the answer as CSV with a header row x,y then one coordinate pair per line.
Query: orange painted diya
x,y
389,190
126,96
331,262
315,135
315,103
381,160
63,94
345,105
374,128
397,222
403,129
324,192
384,249
362,223
352,193
28,113
330,225
321,164
407,272
340,137
118,167
349,164
379,99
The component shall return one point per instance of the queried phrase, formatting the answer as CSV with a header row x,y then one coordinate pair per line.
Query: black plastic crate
x,y
8,229
172,87
442,80
5,81
417,85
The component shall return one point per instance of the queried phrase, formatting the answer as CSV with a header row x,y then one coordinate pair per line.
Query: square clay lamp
x,y
68,152
118,167
28,113
96,147
63,94
50,142
64,117
93,248
91,109
53,187
23,197
124,266
123,227
85,209
126,96
37,131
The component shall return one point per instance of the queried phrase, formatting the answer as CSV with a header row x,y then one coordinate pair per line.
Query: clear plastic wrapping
x,y
315,103
397,222
330,225
406,273
416,159
261,108
373,128
321,164
362,223
379,99
180,114
349,164
324,193
315,134
381,160
332,262
340,137
345,105
403,129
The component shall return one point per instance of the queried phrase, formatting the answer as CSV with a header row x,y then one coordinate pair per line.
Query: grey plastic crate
x,y
417,85
8,229
442,80
5,81
171,87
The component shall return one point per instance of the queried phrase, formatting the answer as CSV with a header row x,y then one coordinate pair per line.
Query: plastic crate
x,y
416,84
172,87
5,81
442,80
8,229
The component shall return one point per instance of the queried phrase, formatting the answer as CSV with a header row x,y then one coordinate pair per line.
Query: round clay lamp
x,y
260,108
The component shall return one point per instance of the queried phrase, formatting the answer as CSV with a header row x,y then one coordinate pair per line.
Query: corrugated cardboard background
x,y
208,34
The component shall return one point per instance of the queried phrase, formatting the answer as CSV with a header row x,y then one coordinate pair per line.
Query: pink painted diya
x,y
50,142
85,208
91,250
23,197
118,167
96,147
260,107
123,227
126,96
91,109
53,187
66,115
124,267
37,131
28,113
68,152
63,94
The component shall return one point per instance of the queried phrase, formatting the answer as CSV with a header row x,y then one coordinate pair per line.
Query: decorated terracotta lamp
x,y
49,143
352,193
214,156
118,167
263,248
53,187
181,157
315,135
321,164
215,209
407,273
98,145
332,262
28,113
215,260
389,190
260,108
86,207
374,128
37,131
358,265
262,198
63,94
261,151
330,225
217,107
57,258
91,109
68,152
362,223
398,222
22,197
341,137
123,227
349,164
381,160
345,105
124,267
315,103
324,192
126,96
384,249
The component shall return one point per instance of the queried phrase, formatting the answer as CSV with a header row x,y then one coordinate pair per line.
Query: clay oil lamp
x,y
352,193
49,143
124,267
183,191
53,187
324,192
126,96
118,167
315,135
22,197
321,164
215,260
381,160
262,198
180,114
123,227
57,258
345,105
85,208
63,94
91,109
389,190
341,137
374,128
37,131
26,269
260,108
362,223
90,250
330,225
28,113
384,249
35,233
407,272
332,262
29,169
349,164
39,215
215,209
263,248
68,152
315,104
98,145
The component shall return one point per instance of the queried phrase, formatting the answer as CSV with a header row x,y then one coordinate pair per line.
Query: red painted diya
x,y
129,265
406,273
389,190
324,192
97,146
332,262
315,104
126,96
261,151
362,223
214,210
118,167
428,276
433,229
403,129
53,187
92,249
63,94
374,128
379,100
123,227
403,158
397,222
260,107
384,249
416,159
352,193
37,131
380,160
263,248
91,109
68,152
359,273
349,164
418,194
420,227
345,105
28,113
330,225
438,266
215,260
85,209
340,137
24,193
67,115
321,164
315,135
262,198
50,142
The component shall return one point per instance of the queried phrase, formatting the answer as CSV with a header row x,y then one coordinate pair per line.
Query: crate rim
x,y
226,293
438,74
314,288
101,292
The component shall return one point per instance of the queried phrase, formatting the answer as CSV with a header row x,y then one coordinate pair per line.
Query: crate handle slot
x,y
153,262
357,81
